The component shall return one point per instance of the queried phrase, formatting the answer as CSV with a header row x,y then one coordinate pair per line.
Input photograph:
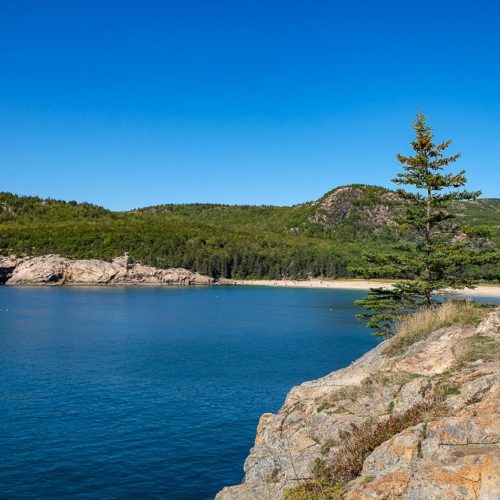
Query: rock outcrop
x,y
449,384
7,266
56,270
368,204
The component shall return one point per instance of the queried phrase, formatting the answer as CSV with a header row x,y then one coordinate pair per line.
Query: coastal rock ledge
x,y
452,453
56,270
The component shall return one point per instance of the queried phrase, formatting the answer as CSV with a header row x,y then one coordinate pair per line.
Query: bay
x,y
154,392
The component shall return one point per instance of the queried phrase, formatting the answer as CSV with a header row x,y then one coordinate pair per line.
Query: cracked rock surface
x,y
452,456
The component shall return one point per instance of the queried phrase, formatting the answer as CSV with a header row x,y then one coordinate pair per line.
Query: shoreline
x,y
480,290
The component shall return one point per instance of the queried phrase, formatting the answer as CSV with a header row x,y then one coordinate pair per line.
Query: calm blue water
x,y
111,393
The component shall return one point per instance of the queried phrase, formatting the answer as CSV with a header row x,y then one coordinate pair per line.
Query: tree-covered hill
x,y
321,238
32,208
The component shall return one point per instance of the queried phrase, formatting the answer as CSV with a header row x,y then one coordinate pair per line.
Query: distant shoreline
x,y
486,290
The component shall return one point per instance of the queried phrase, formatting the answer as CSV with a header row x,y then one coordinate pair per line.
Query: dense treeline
x,y
218,240
33,208
170,244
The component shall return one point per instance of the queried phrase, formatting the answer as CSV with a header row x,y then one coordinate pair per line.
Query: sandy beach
x,y
487,290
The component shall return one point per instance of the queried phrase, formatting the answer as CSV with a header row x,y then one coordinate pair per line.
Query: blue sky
x,y
133,103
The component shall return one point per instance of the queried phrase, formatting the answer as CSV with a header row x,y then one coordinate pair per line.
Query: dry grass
x,y
475,348
420,325
348,392
366,388
387,379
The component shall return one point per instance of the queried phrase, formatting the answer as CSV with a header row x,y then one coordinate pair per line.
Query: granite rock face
x,y
338,205
7,266
453,455
38,270
55,270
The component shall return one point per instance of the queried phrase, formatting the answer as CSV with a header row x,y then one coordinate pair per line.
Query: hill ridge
x,y
312,239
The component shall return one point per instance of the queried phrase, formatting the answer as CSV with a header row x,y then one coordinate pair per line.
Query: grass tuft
x,y
315,490
475,348
421,324
327,446
348,392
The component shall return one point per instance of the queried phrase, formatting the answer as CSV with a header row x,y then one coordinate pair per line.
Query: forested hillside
x,y
321,238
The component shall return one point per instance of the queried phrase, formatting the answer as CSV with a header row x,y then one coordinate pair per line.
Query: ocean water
x,y
154,392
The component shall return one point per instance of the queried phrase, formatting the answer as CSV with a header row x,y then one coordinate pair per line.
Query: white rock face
x,y
55,270
38,270
91,272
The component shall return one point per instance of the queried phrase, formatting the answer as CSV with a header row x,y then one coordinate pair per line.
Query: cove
x,y
114,392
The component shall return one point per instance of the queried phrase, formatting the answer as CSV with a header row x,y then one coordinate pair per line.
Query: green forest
x,y
325,238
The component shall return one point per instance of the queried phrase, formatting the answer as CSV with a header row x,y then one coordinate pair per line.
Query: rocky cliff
x,y
420,421
56,270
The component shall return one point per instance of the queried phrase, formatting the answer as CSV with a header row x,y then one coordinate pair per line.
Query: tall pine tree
x,y
435,252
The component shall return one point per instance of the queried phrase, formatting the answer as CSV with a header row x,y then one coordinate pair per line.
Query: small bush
x,y
361,440
368,479
318,467
421,324
315,490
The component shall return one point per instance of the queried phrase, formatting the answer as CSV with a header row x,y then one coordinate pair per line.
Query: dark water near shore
x,y
113,393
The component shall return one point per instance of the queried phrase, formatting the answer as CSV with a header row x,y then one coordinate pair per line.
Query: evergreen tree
x,y
435,252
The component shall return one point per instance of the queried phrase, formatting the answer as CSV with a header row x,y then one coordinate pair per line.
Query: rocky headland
x,y
56,270
415,418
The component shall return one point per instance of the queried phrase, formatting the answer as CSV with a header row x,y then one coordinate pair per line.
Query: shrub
x,y
347,461
362,439
315,490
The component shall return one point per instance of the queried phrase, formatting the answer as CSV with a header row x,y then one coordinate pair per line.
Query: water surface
x,y
154,392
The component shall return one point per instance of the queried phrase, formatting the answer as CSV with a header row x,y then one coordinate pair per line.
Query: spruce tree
x,y
435,252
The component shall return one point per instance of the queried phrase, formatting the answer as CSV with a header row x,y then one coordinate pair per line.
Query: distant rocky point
x,y
56,270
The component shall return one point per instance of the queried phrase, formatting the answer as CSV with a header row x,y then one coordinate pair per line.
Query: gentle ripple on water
x,y
113,393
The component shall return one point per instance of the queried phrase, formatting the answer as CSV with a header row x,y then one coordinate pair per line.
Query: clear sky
x,y
132,103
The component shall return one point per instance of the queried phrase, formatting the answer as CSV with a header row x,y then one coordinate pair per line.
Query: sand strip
x,y
487,290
